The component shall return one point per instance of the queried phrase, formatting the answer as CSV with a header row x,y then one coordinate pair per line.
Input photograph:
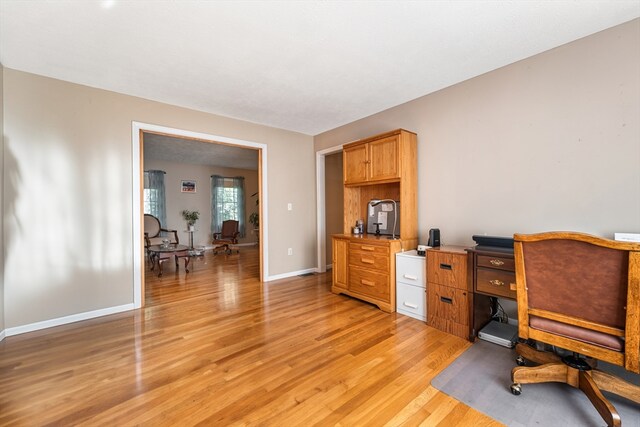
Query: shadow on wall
x,y
12,183
68,231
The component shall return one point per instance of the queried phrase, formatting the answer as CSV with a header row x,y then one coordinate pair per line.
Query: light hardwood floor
x,y
217,347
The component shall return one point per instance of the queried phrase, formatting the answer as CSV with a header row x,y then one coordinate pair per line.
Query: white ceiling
x,y
172,149
306,66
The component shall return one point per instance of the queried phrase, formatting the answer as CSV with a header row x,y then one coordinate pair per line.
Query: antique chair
x,y
226,237
579,293
154,234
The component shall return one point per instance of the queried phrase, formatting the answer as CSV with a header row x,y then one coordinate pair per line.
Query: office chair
x,y
226,237
580,293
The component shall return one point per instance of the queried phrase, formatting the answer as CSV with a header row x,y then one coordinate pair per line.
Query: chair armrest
x,y
216,236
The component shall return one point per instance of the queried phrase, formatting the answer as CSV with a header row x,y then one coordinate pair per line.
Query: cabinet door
x,y
384,159
355,164
340,263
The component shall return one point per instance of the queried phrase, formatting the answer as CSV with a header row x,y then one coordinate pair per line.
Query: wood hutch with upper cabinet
x,y
380,167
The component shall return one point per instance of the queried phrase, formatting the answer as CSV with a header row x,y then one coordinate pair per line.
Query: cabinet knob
x,y
496,262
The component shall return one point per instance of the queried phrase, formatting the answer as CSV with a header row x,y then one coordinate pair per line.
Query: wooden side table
x,y
160,253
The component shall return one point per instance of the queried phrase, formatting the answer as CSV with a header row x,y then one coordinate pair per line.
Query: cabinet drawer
x,y
369,260
495,282
447,269
410,270
411,300
369,283
371,249
498,262
448,304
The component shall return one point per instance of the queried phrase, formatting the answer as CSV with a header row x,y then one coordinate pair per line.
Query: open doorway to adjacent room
x,y
330,202
190,161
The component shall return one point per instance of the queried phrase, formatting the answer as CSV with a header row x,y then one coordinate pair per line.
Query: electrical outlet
x,y
290,251
290,207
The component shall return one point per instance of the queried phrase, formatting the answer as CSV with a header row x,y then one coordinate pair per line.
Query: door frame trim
x,y
137,128
321,227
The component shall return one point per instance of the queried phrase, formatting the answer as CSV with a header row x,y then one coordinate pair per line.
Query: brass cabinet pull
x,y
496,282
367,282
496,262
366,260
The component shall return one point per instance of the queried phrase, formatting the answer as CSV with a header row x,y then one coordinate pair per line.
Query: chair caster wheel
x,y
520,361
516,389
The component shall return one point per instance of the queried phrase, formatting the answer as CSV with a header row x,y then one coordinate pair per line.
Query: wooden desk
x,y
492,272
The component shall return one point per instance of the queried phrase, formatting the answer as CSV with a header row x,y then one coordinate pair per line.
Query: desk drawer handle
x,y
445,266
496,262
410,305
368,248
496,282
367,282
446,300
366,260
410,277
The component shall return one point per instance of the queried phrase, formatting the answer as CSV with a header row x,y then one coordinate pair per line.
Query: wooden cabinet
x,y
449,292
363,268
372,160
340,272
380,167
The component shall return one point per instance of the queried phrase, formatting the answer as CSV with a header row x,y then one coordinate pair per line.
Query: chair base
x,y
591,381
226,248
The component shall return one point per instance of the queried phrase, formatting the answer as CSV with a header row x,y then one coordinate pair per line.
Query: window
x,y
154,199
227,202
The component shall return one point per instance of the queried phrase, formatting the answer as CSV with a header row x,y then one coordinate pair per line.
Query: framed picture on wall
x,y
188,186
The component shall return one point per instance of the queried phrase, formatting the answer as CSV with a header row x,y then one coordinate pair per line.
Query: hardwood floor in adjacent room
x,y
217,347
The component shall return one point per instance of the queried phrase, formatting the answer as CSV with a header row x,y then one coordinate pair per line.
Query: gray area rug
x,y
481,377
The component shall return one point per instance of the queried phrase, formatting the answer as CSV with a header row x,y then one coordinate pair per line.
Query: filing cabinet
x,y
449,292
411,297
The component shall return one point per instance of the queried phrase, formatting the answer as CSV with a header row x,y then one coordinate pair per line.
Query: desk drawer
x,y
410,270
370,260
495,282
370,249
498,262
447,269
447,304
370,283
411,301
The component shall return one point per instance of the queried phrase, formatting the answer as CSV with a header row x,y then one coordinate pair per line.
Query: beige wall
x,y
549,143
68,194
1,203
334,198
200,200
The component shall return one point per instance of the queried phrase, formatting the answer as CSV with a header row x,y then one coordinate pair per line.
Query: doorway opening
x,y
138,135
329,208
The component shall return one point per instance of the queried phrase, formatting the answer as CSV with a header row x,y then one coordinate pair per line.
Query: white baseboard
x,y
291,274
67,319
329,267
2,335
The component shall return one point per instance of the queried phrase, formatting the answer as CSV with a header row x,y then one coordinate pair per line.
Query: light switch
x,y
289,206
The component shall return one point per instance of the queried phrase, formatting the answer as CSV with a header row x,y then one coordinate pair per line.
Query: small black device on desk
x,y
434,238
